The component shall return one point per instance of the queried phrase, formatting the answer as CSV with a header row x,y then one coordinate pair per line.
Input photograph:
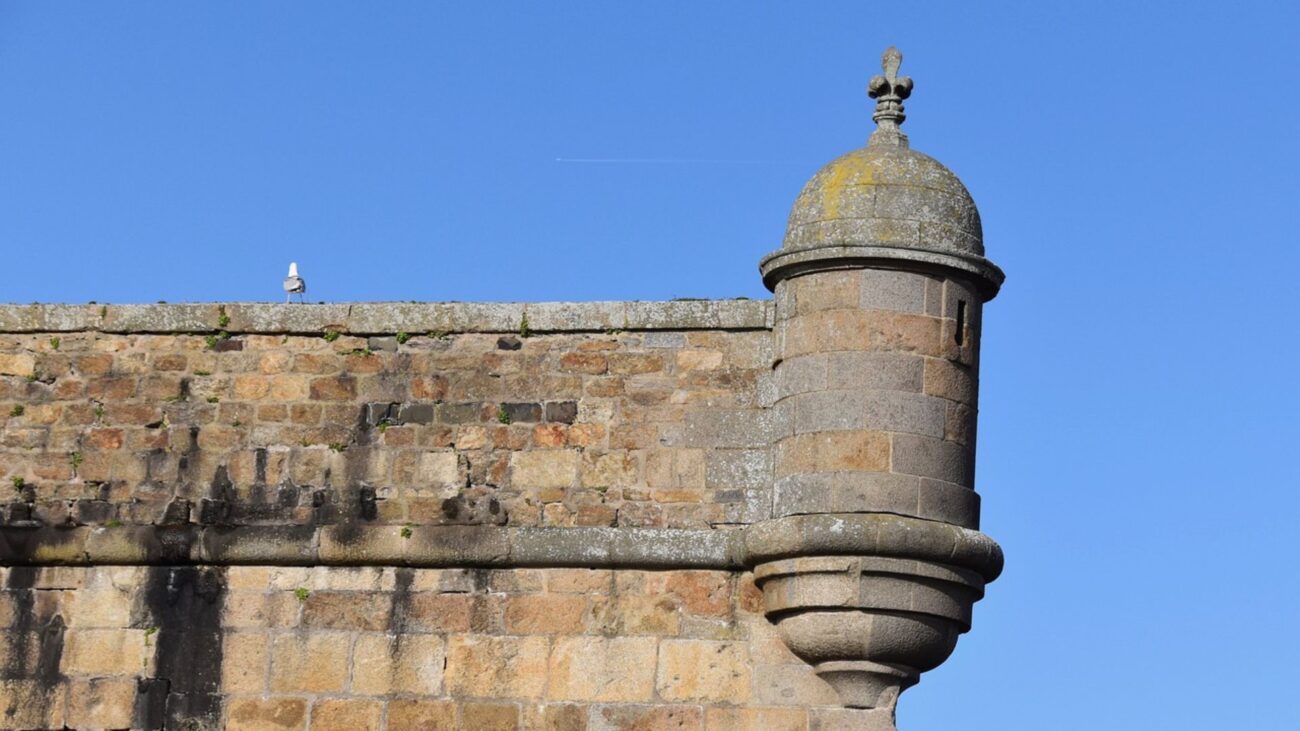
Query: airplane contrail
x,y
673,161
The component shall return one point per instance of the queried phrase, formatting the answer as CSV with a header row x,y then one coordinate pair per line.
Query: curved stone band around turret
x,y
873,534
786,263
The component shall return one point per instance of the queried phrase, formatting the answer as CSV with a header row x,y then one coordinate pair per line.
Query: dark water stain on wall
x,y
33,644
184,604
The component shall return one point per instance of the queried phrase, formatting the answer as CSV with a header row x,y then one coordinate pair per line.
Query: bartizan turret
x,y
873,558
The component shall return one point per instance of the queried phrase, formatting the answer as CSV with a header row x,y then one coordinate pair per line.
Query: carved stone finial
x,y
889,91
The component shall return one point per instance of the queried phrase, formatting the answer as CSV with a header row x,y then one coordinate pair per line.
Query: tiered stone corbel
x,y
870,600
873,559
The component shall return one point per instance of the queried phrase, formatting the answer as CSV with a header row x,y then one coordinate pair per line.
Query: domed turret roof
x,y
885,205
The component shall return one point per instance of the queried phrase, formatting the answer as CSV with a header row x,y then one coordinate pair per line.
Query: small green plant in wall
x,y
503,416
331,335
301,594
19,483
54,343
402,337
17,410
406,531
75,459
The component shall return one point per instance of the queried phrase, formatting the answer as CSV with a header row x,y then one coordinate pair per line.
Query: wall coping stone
x,y
387,318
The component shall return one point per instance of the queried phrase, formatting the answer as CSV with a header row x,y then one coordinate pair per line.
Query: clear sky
x,y
1135,164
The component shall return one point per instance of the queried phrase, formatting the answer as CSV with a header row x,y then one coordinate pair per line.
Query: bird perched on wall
x,y
294,284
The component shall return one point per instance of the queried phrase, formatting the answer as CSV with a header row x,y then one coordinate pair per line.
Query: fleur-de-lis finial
x,y
889,91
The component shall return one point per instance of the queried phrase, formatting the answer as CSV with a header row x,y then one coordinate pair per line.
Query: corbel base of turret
x,y
871,601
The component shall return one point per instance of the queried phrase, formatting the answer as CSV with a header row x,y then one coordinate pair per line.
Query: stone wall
x,y
246,648
218,425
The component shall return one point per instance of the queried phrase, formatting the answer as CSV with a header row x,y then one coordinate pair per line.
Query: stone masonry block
x,y
850,330
961,425
345,610
490,716
544,614
101,703
266,714
345,714
756,719
704,670
802,374
312,663
833,452
885,289
547,468
851,719
737,469
32,704
895,411
496,667
386,664
102,606
950,380
439,471
735,429
618,669
104,652
936,458
421,714
245,660
791,683
630,717
876,492
826,291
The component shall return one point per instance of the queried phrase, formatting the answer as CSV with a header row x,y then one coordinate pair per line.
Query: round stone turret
x,y
873,558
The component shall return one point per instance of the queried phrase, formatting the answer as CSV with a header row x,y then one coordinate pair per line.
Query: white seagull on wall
x,y
294,284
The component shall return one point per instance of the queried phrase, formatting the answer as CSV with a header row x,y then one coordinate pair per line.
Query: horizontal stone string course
x,y
497,546
375,318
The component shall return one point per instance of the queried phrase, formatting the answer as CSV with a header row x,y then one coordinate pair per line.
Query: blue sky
x,y
1135,165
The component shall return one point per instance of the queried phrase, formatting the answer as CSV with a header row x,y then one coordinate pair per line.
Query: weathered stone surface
x,y
646,718
602,669
269,714
421,715
833,451
700,670
498,667
346,714
397,664
309,663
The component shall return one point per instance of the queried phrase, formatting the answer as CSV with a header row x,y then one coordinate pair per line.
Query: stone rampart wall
x,y
320,415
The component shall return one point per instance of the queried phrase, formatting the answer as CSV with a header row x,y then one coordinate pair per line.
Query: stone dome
x,y
886,196
885,205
